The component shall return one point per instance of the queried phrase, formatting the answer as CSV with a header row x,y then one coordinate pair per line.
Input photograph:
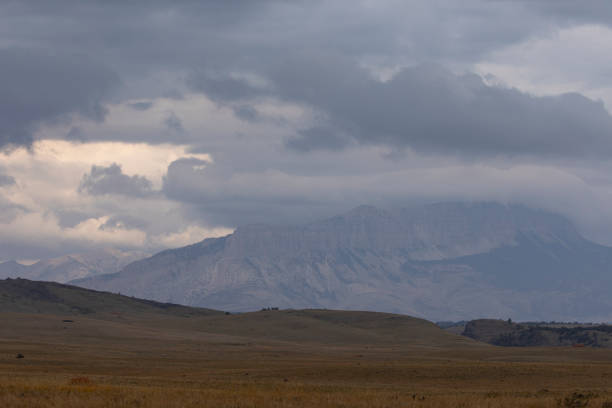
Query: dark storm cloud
x,y
246,113
141,106
37,87
137,37
208,192
76,134
222,89
174,123
211,194
319,138
111,180
209,42
428,108
181,176
569,11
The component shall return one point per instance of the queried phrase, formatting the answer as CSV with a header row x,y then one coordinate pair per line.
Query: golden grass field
x,y
282,359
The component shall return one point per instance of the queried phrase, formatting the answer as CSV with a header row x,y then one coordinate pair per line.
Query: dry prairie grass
x,y
296,381
107,364
250,395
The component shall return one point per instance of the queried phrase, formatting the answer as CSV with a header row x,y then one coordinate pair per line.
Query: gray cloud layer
x,y
306,59
37,87
568,11
426,108
260,63
141,106
430,109
111,180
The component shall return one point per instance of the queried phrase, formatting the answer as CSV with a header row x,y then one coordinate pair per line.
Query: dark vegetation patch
x,y
509,334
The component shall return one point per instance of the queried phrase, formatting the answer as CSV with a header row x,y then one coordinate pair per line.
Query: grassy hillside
x,y
302,326
331,327
26,296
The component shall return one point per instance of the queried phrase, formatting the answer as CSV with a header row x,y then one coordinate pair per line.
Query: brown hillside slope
x,y
26,296
326,327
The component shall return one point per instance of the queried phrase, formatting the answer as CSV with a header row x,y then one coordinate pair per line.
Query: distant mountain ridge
x,y
448,261
70,267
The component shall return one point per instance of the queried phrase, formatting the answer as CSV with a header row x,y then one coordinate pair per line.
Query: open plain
x,y
311,358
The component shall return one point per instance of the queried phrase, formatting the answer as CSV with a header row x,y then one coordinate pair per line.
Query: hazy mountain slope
x,y
443,261
12,269
71,267
533,264
437,231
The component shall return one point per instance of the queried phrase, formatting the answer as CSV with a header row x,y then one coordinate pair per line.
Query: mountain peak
x,y
445,260
430,232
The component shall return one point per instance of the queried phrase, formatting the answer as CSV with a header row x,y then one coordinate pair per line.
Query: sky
x,y
153,124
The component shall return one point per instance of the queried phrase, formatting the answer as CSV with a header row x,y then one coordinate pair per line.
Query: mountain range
x,y
70,267
445,261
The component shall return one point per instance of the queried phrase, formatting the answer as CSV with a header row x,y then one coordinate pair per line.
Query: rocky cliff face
x,y
442,261
434,232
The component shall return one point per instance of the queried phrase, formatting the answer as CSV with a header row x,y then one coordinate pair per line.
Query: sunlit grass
x,y
234,395
335,387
